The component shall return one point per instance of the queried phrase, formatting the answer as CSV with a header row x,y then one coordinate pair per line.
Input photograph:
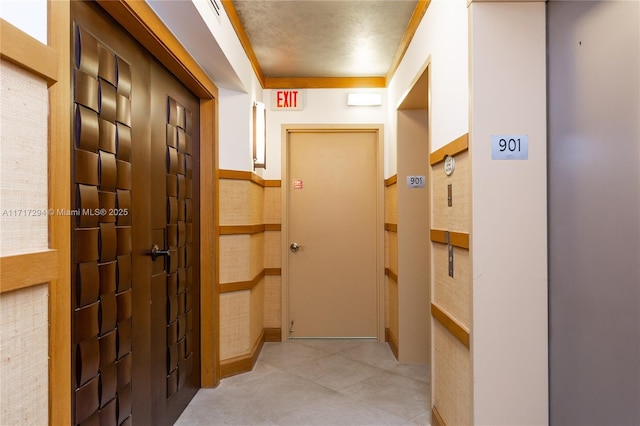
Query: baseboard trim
x,y
236,365
272,334
242,363
391,340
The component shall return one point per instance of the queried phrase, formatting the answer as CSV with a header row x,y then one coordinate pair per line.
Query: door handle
x,y
156,252
294,247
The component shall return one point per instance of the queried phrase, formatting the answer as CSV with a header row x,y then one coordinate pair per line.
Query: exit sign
x,y
288,100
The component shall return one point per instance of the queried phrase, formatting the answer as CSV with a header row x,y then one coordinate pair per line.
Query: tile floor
x,y
318,382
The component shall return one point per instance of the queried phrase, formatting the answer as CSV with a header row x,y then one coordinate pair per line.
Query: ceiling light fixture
x,y
364,99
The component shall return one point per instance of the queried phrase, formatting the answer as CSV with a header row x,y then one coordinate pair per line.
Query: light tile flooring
x,y
318,382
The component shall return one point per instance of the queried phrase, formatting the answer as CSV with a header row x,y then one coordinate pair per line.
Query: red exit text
x,y
287,99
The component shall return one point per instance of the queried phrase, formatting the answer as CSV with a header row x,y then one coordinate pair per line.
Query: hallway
x,y
318,382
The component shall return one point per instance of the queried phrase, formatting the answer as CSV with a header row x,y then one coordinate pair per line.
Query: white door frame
x,y
286,129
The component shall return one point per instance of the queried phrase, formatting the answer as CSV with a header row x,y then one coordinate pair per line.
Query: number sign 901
x,y
415,181
509,147
513,145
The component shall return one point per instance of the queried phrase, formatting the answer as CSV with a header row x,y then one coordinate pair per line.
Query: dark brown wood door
x,y
174,296
136,315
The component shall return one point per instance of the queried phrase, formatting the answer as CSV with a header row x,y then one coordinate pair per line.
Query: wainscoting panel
x,y
391,262
451,287
250,261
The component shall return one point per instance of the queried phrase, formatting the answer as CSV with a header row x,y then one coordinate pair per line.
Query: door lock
x,y
156,252
294,247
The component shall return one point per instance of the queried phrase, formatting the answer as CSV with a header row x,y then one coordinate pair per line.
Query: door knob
x,y
155,252
294,247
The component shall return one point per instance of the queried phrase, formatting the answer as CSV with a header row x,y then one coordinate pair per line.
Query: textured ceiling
x,y
330,38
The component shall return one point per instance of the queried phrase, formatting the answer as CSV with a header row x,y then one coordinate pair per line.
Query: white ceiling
x,y
189,26
324,38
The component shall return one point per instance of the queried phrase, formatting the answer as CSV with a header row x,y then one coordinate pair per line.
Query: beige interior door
x,y
332,217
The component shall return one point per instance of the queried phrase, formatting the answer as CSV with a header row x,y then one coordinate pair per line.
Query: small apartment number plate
x,y
415,181
509,147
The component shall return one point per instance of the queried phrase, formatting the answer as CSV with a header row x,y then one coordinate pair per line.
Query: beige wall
x,y
414,274
24,342
509,214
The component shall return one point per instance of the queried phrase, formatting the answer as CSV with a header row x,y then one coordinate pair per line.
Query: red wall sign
x,y
292,100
